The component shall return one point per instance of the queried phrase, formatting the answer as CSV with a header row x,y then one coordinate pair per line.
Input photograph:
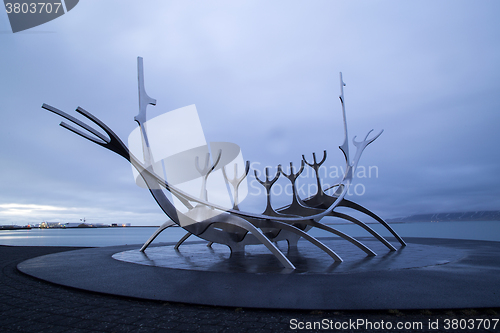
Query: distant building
x,y
71,224
47,225
120,225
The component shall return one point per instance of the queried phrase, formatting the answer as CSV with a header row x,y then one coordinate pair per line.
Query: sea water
x,y
98,237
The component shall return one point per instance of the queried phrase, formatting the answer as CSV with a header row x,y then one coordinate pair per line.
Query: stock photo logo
x,y
189,160
25,15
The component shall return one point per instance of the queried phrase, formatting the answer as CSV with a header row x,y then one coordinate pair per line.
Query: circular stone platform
x,y
428,273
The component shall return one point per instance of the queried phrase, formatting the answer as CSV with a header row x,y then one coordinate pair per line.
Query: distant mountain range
x,y
492,215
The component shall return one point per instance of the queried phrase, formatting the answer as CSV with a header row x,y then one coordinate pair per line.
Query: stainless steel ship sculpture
x,y
231,226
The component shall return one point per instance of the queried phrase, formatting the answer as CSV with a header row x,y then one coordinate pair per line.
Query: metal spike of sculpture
x,y
229,225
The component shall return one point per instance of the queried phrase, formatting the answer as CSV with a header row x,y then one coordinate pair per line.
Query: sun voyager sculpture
x,y
191,182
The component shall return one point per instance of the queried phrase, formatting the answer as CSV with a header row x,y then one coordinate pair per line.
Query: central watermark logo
x,y
178,151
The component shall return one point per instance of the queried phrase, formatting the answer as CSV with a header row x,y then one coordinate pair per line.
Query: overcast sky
x,y
263,75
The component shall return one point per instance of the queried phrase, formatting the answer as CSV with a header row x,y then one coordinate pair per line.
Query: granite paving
x,y
31,305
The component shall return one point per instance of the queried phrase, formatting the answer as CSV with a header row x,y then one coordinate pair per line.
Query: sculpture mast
x,y
345,146
144,101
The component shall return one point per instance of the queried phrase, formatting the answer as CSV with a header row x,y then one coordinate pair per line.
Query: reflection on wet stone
x,y
307,258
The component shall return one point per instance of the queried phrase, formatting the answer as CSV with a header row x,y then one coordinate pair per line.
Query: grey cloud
x,y
265,76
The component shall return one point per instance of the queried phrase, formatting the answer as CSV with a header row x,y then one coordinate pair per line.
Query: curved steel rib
x,y
355,206
182,240
366,227
319,201
156,233
313,240
354,241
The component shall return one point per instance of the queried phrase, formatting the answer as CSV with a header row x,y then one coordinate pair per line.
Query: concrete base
x,y
428,273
